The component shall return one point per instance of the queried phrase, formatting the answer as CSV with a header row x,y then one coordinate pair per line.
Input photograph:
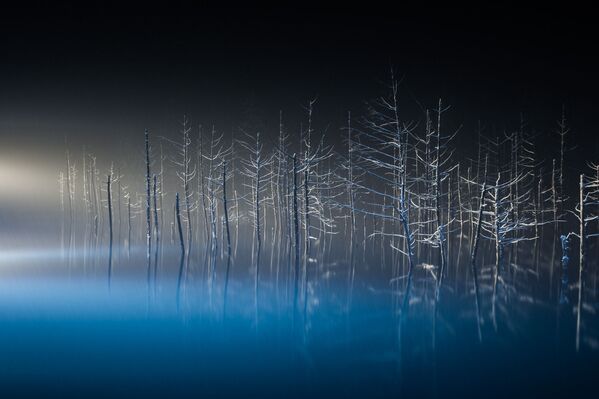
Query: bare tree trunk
x,y
352,213
181,277
440,225
498,251
148,211
403,216
554,202
157,233
257,222
119,201
226,213
562,133
62,209
473,259
70,202
563,295
186,178
236,222
161,195
129,226
307,229
296,237
582,262
110,230
202,186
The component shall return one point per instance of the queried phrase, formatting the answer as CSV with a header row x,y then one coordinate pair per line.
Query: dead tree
x,y
129,226
186,173
562,132
586,212
296,236
441,227
228,231
156,231
148,210
109,197
505,227
213,156
473,254
283,198
316,195
521,171
433,199
477,207
202,182
306,166
256,170
181,276
61,190
564,286
69,190
351,195
381,154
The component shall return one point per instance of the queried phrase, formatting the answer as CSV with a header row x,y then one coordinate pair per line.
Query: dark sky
x,y
99,76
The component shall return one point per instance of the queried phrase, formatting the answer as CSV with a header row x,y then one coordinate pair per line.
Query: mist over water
x,y
321,294
304,201
65,329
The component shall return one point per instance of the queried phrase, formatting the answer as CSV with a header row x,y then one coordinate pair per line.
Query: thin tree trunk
x,y
498,251
226,213
110,230
181,276
473,259
352,213
307,229
128,226
440,225
296,237
582,262
148,211
563,295
156,232
257,223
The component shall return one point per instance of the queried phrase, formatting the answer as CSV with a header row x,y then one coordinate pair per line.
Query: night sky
x,y
99,76
83,72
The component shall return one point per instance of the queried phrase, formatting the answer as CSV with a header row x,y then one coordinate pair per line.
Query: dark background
x,y
100,75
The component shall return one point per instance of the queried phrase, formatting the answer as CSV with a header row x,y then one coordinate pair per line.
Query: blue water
x,y
64,333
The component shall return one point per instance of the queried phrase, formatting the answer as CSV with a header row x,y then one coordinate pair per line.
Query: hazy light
x,y
26,180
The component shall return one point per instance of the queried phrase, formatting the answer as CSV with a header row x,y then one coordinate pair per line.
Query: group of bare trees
x,y
392,191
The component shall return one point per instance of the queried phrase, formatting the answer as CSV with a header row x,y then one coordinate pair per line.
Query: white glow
x,y
27,180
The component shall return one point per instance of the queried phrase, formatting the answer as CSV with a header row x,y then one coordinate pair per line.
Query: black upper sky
x,y
98,73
